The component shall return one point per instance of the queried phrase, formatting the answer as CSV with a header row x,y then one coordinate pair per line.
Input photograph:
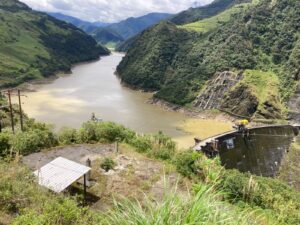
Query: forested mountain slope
x,y
259,40
84,25
128,28
195,14
34,45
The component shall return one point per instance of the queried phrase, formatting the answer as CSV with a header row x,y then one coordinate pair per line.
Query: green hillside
x,y
211,23
105,35
213,195
34,45
116,33
177,61
195,14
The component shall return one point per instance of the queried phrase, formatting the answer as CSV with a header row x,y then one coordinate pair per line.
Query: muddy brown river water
x,y
93,87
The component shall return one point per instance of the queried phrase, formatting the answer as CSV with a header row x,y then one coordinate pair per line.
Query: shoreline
x,y
192,113
33,85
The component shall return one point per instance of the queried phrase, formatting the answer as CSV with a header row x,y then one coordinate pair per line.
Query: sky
x,y
112,10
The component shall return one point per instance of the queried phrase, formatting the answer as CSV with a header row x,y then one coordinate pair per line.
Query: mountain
x,y
192,15
195,14
243,58
84,25
35,45
128,28
107,36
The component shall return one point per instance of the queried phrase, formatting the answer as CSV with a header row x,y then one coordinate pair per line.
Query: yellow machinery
x,y
243,122
241,125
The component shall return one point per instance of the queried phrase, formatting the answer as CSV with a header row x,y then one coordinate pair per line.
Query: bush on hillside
x,y
4,143
108,164
159,146
142,143
103,132
67,136
61,210
266,193
186,163
32,141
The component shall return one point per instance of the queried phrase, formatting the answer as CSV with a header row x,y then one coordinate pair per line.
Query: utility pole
x,y
20,107
11,112
0,124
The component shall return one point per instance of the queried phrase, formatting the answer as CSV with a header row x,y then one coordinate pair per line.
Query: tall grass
x,y
204,207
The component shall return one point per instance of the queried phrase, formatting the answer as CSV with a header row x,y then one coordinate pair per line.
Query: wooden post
x,y
88,175
0,124
11,112
84,187
117,146
20,107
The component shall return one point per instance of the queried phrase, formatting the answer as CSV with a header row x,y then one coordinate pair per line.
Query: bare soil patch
x,y
135,176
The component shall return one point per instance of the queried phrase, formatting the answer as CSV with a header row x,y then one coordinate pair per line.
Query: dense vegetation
x,y
218,196
34,45
177,61
195,14
105,35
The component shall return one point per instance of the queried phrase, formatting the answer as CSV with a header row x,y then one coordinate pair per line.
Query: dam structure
x,y
258,150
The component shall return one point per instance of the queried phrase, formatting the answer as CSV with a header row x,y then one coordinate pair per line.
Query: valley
x,y
196,122
94,88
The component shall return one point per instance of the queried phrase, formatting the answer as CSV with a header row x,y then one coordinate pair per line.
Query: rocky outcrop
x,y
240,101
270,109
294,107
212,96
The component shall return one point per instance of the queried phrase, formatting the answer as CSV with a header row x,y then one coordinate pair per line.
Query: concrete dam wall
x,y
256,150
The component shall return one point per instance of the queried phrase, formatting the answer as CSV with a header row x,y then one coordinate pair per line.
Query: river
x,y
93,87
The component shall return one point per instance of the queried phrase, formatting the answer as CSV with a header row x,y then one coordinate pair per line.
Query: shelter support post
x,y
84,187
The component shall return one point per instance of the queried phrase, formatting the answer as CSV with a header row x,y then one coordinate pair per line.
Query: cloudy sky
x,y
111,10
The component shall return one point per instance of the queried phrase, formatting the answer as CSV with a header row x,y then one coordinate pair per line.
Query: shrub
x,y
141,143
163,153
67,136
209,170
63,211
266,193
4,143
103,132
108,164
87,133
33,141
186,163
111,132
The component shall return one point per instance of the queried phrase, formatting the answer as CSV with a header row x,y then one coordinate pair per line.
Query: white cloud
x,y
111,10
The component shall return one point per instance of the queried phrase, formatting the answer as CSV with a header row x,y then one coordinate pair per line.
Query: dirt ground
x,y
135,176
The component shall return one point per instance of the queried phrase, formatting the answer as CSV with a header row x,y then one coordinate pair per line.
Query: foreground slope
x,y
259,40
34,45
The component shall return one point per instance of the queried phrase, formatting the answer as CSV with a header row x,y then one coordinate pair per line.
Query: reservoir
x,y
93,87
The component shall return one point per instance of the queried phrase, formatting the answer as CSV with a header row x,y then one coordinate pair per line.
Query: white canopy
x,y
60,174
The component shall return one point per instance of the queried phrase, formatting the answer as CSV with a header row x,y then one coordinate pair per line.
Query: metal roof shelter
x,y
60,174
